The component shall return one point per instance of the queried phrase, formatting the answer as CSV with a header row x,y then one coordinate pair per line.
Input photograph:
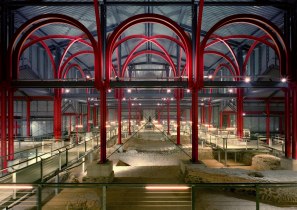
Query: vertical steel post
x,y
195,125
221,120
209,113
119,118
10,124
239,113
288,145
168,116
267,121
3,127
28,117
94,116
129,117
228,120
69,132
103,125
178,117
57,114
88,116
294,123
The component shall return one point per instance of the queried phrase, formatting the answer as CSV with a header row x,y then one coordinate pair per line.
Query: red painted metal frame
x,y
3,126
157,53
272,31
72,66
166,55
10,124
294,121
267,122
129,117
28,117
147,18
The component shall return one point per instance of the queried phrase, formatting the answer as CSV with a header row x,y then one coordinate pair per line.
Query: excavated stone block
x,y
100,170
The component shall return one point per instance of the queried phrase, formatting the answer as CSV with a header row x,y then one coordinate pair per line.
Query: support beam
x,y
168,116
267,121
178,118
288,144
294,122
120,120
57,114
10,124
129,117
194,125
3,127
88,116
28,115
103,110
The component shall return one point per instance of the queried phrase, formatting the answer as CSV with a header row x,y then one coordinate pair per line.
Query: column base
x,y
100,172
288,164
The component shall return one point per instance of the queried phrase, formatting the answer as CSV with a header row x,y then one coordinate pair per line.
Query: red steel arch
x,y
267,26
145,18
23,33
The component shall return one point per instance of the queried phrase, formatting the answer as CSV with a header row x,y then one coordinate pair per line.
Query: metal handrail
x,y
36,188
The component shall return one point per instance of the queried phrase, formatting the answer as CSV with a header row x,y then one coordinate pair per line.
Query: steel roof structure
x,y
104,53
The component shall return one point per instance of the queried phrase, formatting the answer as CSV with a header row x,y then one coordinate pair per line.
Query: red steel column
x,y
168,116
178,117
228,121
294,123
120,119
288,145
3,127
129,117
267,122
88,116
28,117
195,125
103,109
221,120
57,114
239,113
10,125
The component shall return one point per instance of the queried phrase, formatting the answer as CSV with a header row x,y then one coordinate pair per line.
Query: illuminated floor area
x,y
146,167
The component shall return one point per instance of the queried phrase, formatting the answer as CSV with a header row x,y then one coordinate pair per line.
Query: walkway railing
x,y
103,196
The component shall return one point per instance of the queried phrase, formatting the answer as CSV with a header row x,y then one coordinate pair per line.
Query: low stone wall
x,y
280,196
265,162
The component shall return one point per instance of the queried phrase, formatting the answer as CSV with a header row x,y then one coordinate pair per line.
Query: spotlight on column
x,y
88,76
129,90
283,80
67,90
171,99
210,76
124,99
109,90
168,91
247,79
230,90
188,90
243,114
158,104
139,104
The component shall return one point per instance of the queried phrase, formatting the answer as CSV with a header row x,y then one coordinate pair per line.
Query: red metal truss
x,y
147,18
235,68
130,58
271,30
24,32
62,68
74,65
